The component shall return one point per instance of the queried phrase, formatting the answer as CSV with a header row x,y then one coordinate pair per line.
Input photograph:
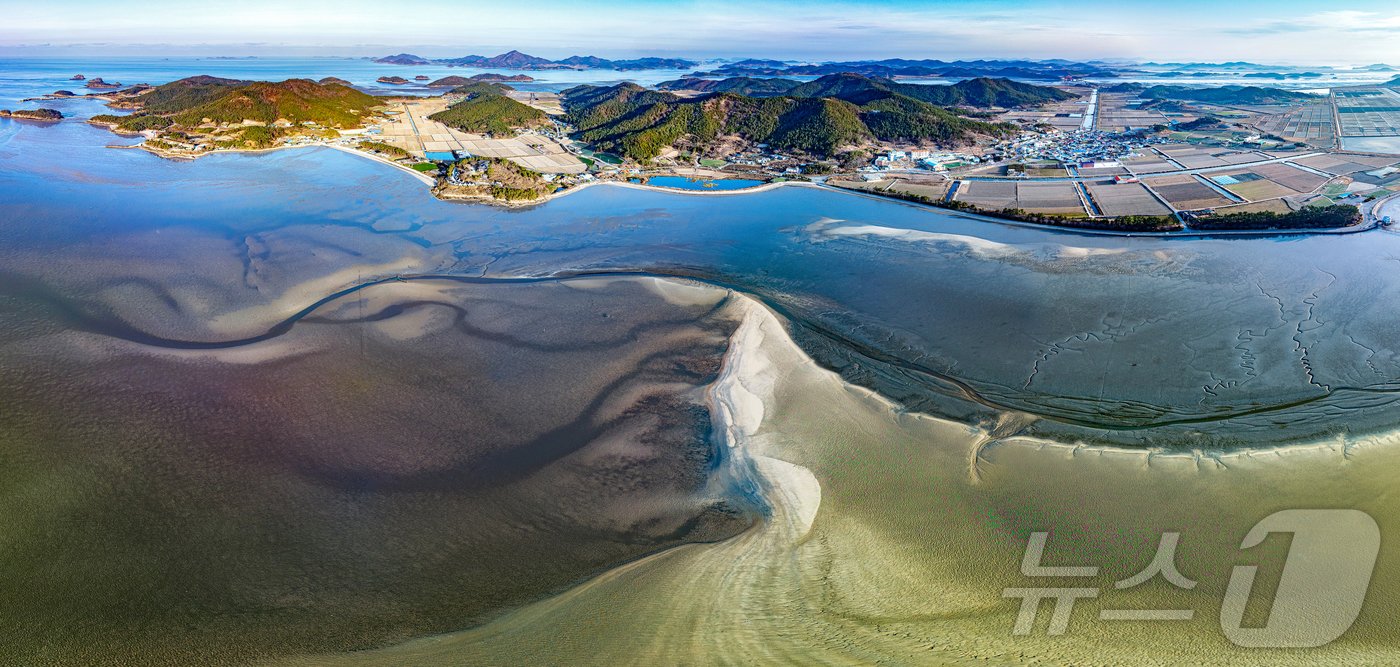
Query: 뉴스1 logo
x,y
1319,596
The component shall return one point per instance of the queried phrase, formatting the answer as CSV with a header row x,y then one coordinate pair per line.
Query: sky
x,y
1275,31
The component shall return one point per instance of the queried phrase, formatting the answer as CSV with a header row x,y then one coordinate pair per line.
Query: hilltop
x,y
901,67
1220,95
44,115
980,92
743,85
858,89
455,81
523,61
403,59
229,113
487,110
820,120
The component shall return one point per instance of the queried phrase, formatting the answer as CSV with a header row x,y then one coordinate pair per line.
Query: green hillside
x,y
184,94
743,85
296,100
980,92
488,110
639,123
188,102
1226,95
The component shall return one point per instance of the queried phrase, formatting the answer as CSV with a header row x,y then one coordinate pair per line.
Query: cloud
x,y
815,30
1337,21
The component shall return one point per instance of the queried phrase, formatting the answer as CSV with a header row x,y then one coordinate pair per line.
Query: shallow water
x,y
1134,341
216,311
684,183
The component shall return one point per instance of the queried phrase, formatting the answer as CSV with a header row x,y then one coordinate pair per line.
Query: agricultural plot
x,y
1254,184
1092,172
1118,199
1205,157
1119,112
991,195
1059,197
934,190
1270,206
1185,193
1147,163
1054,197
1065,116
1290,177
1342,164
1308,123
1368,112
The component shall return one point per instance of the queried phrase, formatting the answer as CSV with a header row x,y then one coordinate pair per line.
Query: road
x,y
1378,210
1091,111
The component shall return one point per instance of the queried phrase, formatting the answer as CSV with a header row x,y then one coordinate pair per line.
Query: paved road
x,y
1390,206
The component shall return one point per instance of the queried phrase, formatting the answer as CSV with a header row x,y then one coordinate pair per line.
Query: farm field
x,y
1117,199
1185,193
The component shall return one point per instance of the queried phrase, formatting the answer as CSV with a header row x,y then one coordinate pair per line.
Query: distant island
x,y
521,61
97,82
454,81
394,80
43,115
55,95
900,67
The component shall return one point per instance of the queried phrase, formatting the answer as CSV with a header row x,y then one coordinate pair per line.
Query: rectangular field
x,y
1125,199
1290,177
1057,197
1307,123
1342,164
1185,193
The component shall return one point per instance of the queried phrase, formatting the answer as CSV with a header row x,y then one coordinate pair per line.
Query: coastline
x,y
427,180
1368,225
1089,231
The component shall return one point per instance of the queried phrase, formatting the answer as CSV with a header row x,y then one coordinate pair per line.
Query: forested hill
x,y
486,109
981,92
743,85
641,123
191,101
1219,95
